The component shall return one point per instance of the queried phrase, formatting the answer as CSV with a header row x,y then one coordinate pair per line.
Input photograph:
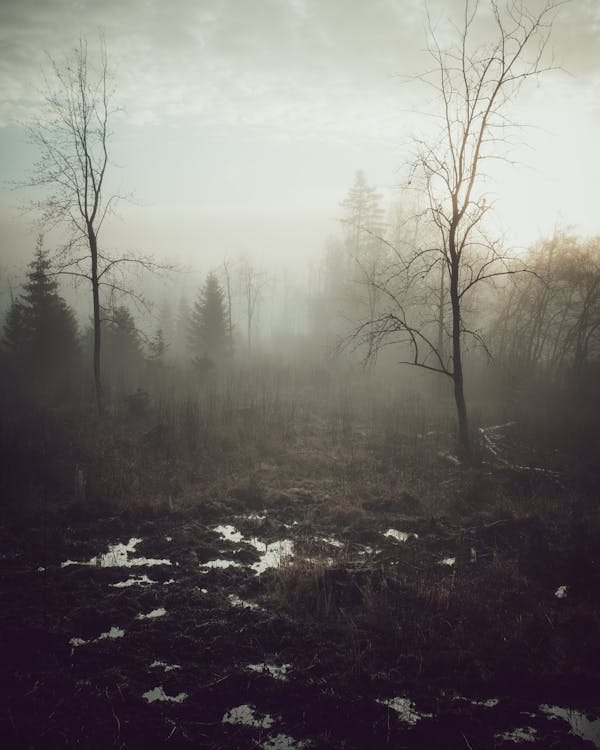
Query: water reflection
x,y
587,729
118,557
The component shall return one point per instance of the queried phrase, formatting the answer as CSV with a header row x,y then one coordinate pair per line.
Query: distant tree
x,y
228,297
208,324
180,338
40,333
550,320
123,340
157,346
73,141
364,240
252,285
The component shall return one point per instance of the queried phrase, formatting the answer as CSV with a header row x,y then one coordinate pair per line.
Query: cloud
x,y
298,68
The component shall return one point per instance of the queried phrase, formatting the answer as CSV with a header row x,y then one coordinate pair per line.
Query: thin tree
x,y
252,284
73,140
228,297
425,288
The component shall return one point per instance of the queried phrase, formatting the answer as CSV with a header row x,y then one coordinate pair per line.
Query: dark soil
x,y
361,618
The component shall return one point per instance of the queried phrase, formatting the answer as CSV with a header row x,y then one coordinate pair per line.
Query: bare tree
x,y
427,289
228,294
73,139
252,284
550,321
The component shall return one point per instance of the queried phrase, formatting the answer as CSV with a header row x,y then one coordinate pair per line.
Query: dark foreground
x,y
332,612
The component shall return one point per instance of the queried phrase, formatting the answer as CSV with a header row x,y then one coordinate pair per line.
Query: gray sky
x,y
244,121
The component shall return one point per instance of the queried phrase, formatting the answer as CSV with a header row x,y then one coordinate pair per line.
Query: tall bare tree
x,y
425,288
252,286
73,139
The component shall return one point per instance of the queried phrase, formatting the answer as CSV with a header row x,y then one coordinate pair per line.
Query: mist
x,y
299,374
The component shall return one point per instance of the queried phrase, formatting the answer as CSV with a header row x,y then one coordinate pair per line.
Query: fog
x,y
300,318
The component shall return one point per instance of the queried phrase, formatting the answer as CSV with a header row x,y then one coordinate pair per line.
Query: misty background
x,y
242,125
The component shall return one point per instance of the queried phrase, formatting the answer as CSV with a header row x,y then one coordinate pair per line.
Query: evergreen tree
x,y
208,324
157,346
123,340
40,334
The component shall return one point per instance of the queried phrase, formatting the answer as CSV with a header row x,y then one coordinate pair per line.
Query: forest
x,y
345,502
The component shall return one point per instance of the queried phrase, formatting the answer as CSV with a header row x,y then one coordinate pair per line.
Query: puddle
x,y
521,734
118,557
331,540
229,533
283,742
136,581
400,536
164,666
561,592
488,703
168,539
405,709
113,633
235,601
246,716
256,517
41,569
221,564
274,555
449,561
277,673
160,612
158,694
141,581
587,729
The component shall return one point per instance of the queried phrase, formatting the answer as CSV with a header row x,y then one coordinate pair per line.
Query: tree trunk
x,y
97,327
250,312
457,368
441,301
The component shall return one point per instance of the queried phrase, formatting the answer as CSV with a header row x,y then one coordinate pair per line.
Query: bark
x,y
97,322
457,367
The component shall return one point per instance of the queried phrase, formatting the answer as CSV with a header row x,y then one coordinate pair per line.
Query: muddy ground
x,y
327,608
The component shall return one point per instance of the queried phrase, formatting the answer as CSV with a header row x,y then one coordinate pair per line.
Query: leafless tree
x,y
427,287
73,140
253,283
550,321
228,295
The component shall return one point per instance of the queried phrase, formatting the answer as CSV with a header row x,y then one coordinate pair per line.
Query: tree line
x,y
431,284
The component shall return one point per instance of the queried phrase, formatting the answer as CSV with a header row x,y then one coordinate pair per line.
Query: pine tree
x,y
157,346
40,333
365,227
208,324
123,340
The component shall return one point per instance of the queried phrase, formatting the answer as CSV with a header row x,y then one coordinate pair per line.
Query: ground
x,y
322,599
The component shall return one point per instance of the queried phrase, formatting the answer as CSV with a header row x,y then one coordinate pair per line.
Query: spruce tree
x,y
123,350
208,325
40,334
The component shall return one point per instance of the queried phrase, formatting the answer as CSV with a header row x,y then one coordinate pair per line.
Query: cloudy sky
x,y
243,122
